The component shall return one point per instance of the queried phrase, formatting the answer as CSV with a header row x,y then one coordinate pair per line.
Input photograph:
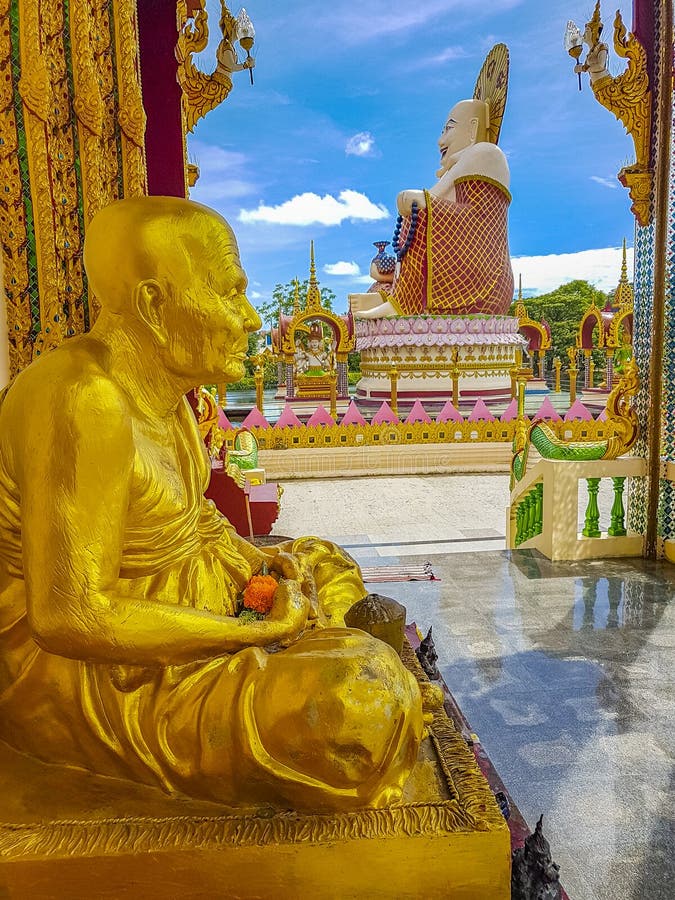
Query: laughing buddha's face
x,y
462,129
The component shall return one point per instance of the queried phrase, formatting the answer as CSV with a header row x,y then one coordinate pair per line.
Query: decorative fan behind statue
x,y
492,87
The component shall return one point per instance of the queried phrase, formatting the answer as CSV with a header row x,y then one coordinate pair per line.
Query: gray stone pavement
x,y
565,671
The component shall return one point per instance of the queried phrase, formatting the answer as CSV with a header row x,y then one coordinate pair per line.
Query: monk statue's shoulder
x,y
71,387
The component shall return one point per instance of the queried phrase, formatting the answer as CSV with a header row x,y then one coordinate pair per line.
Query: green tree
x,y
284,295
563,309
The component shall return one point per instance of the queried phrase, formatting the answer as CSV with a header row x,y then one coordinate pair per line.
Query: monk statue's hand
x,y
284,564
405,200
317,617
290,610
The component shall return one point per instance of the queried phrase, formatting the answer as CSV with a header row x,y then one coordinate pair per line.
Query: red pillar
x,y
157,34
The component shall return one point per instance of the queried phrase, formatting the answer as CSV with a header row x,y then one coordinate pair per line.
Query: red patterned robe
x,y
458,261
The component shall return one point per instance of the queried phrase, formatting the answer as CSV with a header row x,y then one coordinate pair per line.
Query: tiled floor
x,y
565,671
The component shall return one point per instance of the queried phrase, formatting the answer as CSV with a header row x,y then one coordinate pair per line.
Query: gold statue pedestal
x,y
69,834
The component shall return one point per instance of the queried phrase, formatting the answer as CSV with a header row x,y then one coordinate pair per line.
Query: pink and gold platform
x,y
439,358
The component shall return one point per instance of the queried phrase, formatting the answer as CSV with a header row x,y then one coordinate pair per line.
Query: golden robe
x,y
193,727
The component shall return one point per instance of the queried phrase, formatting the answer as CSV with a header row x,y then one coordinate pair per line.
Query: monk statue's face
x,y
208,324
463,128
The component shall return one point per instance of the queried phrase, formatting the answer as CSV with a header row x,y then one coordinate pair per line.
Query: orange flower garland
x,y
259,593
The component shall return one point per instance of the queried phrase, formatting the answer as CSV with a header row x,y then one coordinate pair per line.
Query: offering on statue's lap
x,y
258,595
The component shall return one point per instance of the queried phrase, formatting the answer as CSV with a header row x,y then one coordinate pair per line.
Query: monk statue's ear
x,y
474,129
148,300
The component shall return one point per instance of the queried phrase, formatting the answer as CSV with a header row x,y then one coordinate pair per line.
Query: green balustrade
x,y
591,527
530,514
617,527
539,508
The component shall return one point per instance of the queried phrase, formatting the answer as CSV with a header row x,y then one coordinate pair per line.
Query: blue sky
x,y
348,103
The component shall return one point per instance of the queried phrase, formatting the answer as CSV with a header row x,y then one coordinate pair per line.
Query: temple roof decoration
x,y
615,316
342,327
623,296
538,334
313,291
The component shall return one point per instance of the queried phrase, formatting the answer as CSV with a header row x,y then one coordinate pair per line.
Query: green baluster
x,y
591,528
539,508
530,515
618,525
526,516
519,524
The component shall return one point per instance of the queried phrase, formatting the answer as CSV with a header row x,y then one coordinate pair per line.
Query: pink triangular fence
x,y
578,411
418,414
288,418
353,416
547,411
511,411
255,419
481,412
449,413
384,415
223,421
320,417
603,416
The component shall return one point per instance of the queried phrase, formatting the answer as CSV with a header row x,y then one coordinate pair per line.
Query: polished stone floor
x,y
565,672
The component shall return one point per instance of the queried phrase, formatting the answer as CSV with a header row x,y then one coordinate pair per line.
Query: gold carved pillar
x,y
72,122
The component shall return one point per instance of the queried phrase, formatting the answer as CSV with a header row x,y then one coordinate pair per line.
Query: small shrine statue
x,y
451,241
314,359
120,646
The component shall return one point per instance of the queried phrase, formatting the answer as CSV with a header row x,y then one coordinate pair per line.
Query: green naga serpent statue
x,y
622,426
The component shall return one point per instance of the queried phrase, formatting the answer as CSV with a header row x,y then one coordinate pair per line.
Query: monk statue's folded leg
x,y
332,722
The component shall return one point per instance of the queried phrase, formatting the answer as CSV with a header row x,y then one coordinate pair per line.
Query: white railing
x,y
544,510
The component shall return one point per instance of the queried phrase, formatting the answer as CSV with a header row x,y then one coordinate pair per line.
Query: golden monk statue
x,y
452,240
119,649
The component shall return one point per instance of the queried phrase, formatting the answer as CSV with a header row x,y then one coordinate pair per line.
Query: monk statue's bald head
x,y
140,238
170,269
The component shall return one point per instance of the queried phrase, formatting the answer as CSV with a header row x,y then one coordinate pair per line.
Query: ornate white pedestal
x,y
471,355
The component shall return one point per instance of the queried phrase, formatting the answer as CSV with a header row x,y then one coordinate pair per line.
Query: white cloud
x,y
601,268
254,295
342,268
361,144
311,209
345,19
448,55
605,182
222,173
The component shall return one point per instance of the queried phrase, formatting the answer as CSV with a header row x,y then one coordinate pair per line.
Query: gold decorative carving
x,y
12,213
202,92
622,419
47,146
628,96
59,78
326,436
131,114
